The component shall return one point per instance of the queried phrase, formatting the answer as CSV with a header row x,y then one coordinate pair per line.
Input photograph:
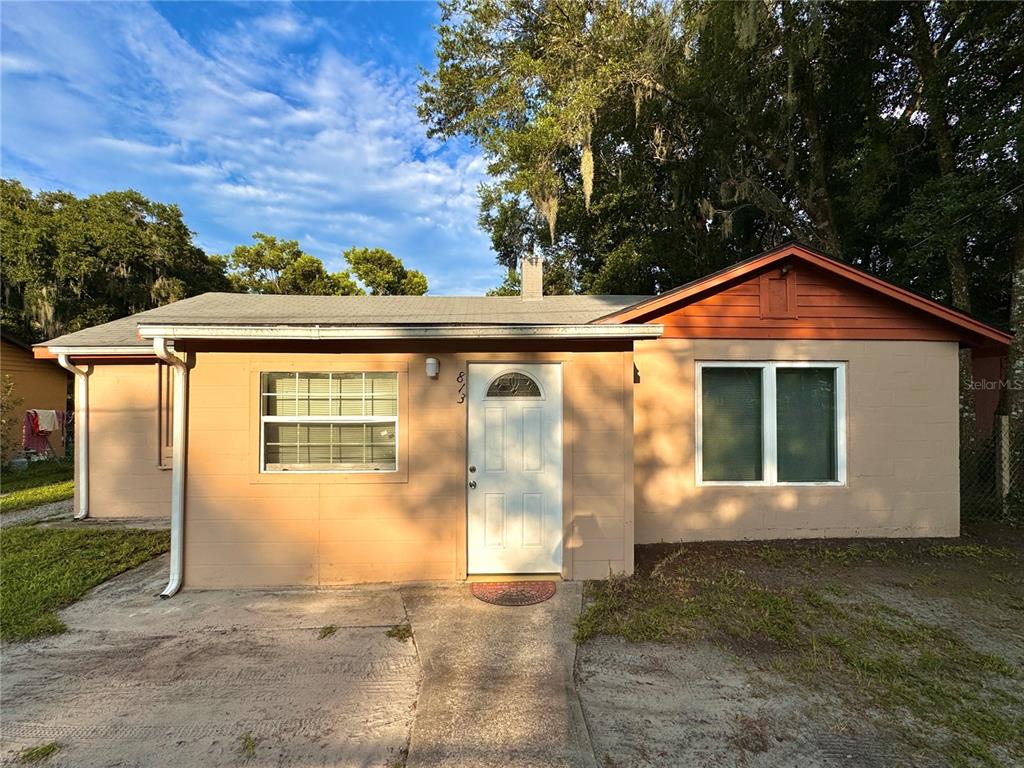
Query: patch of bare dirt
x,y
714,701
650,705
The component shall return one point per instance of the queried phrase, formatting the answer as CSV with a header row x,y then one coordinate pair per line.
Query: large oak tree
x,y
71,262
640,145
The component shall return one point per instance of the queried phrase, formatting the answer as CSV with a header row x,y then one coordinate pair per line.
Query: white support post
x,y
81,433
179,416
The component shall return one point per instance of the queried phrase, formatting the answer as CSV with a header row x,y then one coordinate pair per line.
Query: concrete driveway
x,y
215,679
233,678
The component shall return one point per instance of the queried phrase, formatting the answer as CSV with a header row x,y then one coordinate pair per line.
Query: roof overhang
x,y
368,333
43,352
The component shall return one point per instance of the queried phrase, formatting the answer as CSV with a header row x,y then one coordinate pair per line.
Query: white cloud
x,y
134,148
283,23
264,125
12,63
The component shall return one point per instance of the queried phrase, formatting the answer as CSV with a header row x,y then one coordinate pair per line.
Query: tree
x,y
640,145
259,268
10,409
656,142
511,286
964,86
384,274
271,265
346,286
652,143
71,262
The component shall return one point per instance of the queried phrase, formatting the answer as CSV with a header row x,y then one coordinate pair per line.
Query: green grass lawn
x,y
45,569
42,482
854,619
15,501
36,474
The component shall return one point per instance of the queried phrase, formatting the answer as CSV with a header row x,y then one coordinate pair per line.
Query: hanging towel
x,y
31,440
48,421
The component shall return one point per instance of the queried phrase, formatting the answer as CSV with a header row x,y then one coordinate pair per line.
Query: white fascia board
x,y
146,351
319,332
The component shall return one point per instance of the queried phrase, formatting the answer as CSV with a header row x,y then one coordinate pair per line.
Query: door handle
x,y
472,483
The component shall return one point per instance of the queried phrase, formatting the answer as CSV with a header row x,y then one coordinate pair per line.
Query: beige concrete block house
x,y
320,440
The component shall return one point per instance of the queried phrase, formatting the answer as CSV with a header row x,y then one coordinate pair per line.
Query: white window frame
x,y
264,420
769,435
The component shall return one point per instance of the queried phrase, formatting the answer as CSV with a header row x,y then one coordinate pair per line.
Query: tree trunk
x,y
814,183
819,200
925,54
961,298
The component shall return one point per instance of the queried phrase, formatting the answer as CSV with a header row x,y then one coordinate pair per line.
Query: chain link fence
x,y
991,476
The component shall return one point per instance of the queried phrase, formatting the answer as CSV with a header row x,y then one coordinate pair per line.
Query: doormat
x,y
513,593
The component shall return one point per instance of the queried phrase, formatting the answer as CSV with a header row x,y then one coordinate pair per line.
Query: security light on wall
x,y
433,367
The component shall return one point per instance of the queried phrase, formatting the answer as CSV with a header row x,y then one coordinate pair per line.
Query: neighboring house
x,y
990,374
347,439
38,385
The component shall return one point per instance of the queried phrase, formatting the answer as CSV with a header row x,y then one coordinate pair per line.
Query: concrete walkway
x,y
497,686
217,679
58,510
60,514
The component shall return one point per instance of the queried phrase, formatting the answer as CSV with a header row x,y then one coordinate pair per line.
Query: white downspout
x,y
180,408
81,432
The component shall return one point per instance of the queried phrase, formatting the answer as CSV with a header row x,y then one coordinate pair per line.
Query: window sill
x,y
331,472
762,484
320,477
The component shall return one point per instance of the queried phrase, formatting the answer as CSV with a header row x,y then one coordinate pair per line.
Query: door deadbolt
x,y
472,468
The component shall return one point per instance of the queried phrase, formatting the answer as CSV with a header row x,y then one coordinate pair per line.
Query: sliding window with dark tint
x,y
806,424
731,424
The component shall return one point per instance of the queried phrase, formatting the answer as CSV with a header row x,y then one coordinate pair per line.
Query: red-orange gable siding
x,y
802,303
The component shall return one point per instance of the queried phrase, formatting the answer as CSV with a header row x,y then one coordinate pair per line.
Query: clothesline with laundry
x,y
39,424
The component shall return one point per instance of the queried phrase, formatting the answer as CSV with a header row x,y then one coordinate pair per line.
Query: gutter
x,y
180,366
95,351
81,432
363,332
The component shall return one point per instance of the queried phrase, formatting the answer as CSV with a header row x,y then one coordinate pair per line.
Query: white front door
x,y
515,468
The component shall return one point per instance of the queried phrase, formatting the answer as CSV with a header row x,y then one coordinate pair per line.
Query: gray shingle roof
x,y
117,333
252,309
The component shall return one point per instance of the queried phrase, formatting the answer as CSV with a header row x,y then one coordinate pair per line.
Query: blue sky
x,y
294,119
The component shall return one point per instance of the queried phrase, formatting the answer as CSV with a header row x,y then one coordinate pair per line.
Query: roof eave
x,y
91,350
358,333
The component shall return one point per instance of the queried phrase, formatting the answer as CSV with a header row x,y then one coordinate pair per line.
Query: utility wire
x,y
968,215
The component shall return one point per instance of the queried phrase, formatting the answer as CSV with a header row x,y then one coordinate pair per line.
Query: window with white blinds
x,y
329,422
771,423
